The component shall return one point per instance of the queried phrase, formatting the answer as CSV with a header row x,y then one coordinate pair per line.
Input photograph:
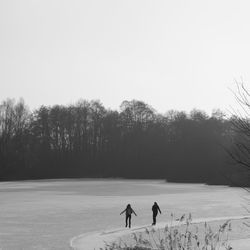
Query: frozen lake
x,y
47,214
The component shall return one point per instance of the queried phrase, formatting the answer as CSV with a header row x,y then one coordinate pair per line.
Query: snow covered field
x,y
47,214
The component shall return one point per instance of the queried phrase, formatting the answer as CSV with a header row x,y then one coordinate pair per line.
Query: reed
x,y
184,236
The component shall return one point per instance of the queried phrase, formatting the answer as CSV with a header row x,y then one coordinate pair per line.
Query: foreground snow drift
x,y
98,240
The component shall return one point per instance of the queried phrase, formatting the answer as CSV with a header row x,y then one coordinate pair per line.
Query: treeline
x,y
88,140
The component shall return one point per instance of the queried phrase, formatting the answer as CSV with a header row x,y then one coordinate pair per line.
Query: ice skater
x,y
155,209
129,211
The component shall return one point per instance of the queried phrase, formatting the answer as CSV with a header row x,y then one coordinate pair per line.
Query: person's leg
x,y
129,221
153,220
126,220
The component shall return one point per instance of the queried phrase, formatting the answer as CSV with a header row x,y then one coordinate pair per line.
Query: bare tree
x,y
240,152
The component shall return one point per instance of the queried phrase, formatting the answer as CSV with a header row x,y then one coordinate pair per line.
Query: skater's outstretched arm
x,y
123,211
134,212
159,209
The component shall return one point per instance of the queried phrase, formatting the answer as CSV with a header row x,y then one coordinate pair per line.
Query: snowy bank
x,y
97,240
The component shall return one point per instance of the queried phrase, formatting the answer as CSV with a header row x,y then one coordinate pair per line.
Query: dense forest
x,y
87,140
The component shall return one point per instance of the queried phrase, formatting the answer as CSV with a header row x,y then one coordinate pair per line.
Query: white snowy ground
x,y
98,240
44,215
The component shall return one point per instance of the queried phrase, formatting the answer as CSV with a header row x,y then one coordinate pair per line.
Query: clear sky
x,y
172,54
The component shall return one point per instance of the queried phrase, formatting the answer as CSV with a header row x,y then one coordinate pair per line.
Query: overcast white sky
x,y
172,54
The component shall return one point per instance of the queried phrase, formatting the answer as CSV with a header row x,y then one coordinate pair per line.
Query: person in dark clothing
x,y
129,211
155,209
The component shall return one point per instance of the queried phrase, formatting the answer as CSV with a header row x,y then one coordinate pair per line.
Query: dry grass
x,y
185,236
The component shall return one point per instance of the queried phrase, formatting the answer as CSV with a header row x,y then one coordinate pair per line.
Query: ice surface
x,y
47,214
